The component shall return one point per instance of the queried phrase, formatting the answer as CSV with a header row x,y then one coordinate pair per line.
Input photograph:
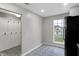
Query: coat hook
x,y
5,33
11,32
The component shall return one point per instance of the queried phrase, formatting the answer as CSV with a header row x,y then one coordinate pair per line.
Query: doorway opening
x,y
58,31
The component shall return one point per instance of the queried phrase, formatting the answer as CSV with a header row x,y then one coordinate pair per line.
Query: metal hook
x,y
4,33
11,32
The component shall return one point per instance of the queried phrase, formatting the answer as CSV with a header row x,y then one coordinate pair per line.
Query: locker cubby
x,y
9,33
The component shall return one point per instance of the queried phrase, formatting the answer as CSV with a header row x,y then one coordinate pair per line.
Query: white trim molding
x,y
54,44
31,50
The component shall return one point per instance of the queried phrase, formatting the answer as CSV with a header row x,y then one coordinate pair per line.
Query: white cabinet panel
x,y
10,35
4,43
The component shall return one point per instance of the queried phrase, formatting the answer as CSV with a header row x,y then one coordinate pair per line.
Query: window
x,y
58,31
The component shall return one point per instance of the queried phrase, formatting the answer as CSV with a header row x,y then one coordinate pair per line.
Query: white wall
x,y
74,11
47,28
31,31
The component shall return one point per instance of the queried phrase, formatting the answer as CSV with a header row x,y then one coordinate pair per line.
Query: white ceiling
x,y
49,8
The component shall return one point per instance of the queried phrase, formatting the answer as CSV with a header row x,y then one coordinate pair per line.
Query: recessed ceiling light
x,y
17,15
42,10
65,3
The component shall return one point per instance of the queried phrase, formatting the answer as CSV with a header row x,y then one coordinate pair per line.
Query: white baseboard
x,y
31,50
53,44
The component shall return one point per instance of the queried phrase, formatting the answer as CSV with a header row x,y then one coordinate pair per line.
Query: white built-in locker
x,y
10,32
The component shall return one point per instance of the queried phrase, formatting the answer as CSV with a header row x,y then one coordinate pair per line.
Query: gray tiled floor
x,y
47,51
16,51
44,50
